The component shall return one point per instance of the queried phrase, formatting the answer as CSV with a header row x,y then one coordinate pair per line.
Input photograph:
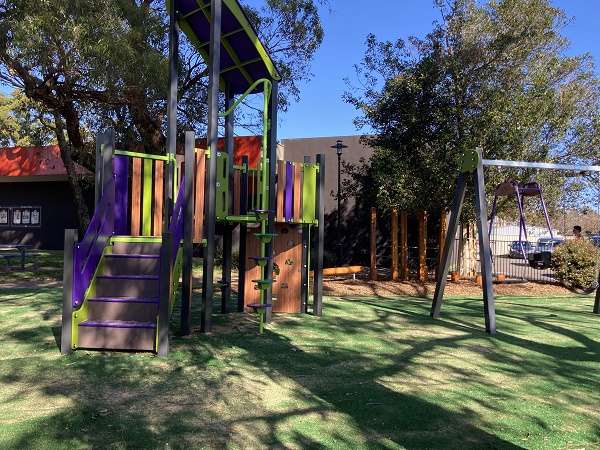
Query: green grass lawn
x,y
372,373
50,265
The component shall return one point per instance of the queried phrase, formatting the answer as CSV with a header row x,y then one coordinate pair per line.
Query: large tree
x,y
496,76
22,122
94,64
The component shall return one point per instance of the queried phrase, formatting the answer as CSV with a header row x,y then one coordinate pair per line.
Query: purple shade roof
x,y
244,59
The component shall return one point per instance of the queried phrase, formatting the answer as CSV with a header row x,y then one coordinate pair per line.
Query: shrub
x,y
574,263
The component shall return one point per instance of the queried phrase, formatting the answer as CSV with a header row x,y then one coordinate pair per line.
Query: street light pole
x,y
339,146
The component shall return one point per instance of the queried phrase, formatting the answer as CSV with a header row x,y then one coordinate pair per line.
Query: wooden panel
x,y
423,271
373,244
344,270
253,272
442,241
297,216
394,266
199,195
157,215
404,275
136,197
147,199
279,212
288,257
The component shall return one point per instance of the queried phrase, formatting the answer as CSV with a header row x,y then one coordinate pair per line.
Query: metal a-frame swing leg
x,y
457,204
470,162
484,248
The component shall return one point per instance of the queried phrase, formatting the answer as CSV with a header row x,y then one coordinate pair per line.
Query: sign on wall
x,y
20,216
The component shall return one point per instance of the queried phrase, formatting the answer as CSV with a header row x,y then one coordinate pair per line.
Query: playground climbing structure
x,y
121,279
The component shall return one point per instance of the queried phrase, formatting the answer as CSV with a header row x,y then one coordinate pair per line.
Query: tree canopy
x,y
105,63
496,76
89,65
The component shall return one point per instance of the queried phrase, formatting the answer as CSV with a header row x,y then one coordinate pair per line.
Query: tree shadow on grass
x,y
373,374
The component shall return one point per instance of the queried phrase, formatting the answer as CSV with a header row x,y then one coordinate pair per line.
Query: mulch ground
x,y
362,285
341,286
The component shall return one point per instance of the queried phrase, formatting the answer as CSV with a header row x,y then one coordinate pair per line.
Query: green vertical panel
x,y
222,185
309,192
253,176
259,189
264,188
147,198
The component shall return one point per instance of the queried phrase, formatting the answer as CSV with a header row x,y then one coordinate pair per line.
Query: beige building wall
x,y
297,149
355,225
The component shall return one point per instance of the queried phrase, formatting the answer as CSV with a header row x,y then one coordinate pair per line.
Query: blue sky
x,y
321,111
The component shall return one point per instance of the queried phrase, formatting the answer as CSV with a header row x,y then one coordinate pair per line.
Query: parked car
x,y
541,258
514,249
595,238
548,244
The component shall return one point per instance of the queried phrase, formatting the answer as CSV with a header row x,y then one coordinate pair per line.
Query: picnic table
x,y
20,247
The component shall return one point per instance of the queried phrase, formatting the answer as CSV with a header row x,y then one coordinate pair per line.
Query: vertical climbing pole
x,y
265,216
211,172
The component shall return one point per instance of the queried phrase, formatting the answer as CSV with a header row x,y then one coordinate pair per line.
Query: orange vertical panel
x,y
199,195
442,241
404,275
373,244
297,215
423,271
279,211
394,266
136,197
157,207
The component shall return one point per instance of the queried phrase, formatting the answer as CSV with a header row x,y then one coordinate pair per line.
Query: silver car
x,y
548,244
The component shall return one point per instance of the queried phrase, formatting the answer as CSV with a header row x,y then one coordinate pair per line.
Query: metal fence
x,y
502,263
515,267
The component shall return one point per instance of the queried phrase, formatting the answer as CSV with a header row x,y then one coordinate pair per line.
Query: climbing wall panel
x,y
287,263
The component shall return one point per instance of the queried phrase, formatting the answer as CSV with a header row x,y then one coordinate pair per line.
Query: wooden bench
x,y
7,257
345,270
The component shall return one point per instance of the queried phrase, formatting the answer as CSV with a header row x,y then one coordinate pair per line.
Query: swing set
x,y
529,189
471,165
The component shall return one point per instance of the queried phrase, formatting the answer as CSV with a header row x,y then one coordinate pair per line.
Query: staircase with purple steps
x,y
122,315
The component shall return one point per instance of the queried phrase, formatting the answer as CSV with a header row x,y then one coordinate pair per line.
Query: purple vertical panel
x,y
289,188
121,169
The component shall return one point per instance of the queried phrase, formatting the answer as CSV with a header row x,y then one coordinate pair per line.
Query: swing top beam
x,y
539,165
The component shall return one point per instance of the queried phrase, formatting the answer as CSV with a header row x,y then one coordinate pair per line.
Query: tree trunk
x,y
67,157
